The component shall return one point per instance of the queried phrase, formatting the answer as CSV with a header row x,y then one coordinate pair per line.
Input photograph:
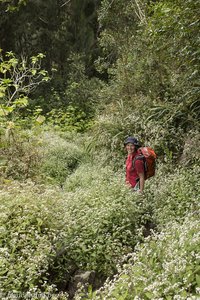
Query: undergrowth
x,y
76,214
166,266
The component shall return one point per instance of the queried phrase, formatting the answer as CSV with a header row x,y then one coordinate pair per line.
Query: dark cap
x,y
132,140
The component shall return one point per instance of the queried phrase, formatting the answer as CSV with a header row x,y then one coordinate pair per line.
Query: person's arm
x,y
141,180
139,166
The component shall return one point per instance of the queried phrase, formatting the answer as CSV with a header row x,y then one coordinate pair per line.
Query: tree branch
x,y
65,3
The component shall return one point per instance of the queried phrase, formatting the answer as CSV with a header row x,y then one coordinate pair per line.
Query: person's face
x,y
130,148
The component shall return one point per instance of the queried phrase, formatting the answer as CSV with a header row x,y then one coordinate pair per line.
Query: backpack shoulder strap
x,y
139,156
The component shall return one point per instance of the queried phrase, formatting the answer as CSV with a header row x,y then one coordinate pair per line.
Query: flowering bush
x,y
19,151
93,222
26,237
173,196
166,266
47,234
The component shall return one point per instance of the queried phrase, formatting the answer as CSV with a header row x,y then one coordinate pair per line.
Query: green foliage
x,y
88,219
103,224
11,5
47,234
19,78
72,119
127,118
81,96
190,155
147,47
27,239
20,154
156,57
92,222
172,31
166,266
58,29
81,86
60,158
74,108
176,197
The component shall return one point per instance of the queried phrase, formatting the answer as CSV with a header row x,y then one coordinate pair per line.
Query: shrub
x,y
47,234
135,118
20,155
166,266
71,119
173,196
104,221
190,155
61,156
27,238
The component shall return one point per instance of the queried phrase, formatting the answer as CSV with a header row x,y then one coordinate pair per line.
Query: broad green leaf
x,y
40,119
21,101
2,95
45,78
6,81
198,280
41,55
43,72
149,295
33,71
13,61
4,111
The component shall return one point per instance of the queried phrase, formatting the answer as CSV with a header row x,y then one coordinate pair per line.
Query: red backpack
x,y
148,156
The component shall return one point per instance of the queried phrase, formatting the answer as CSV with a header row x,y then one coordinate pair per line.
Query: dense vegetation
x,y
76,78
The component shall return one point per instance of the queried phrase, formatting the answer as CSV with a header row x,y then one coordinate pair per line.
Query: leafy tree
x,y
57,29
18,79
12,5
152,54
172,31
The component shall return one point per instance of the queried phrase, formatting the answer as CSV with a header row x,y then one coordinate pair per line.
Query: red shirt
x,y
133,169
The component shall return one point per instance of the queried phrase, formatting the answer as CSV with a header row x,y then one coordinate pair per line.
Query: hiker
x,y
135,169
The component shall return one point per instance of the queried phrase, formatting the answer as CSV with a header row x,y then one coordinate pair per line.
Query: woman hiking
x,y
135,172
